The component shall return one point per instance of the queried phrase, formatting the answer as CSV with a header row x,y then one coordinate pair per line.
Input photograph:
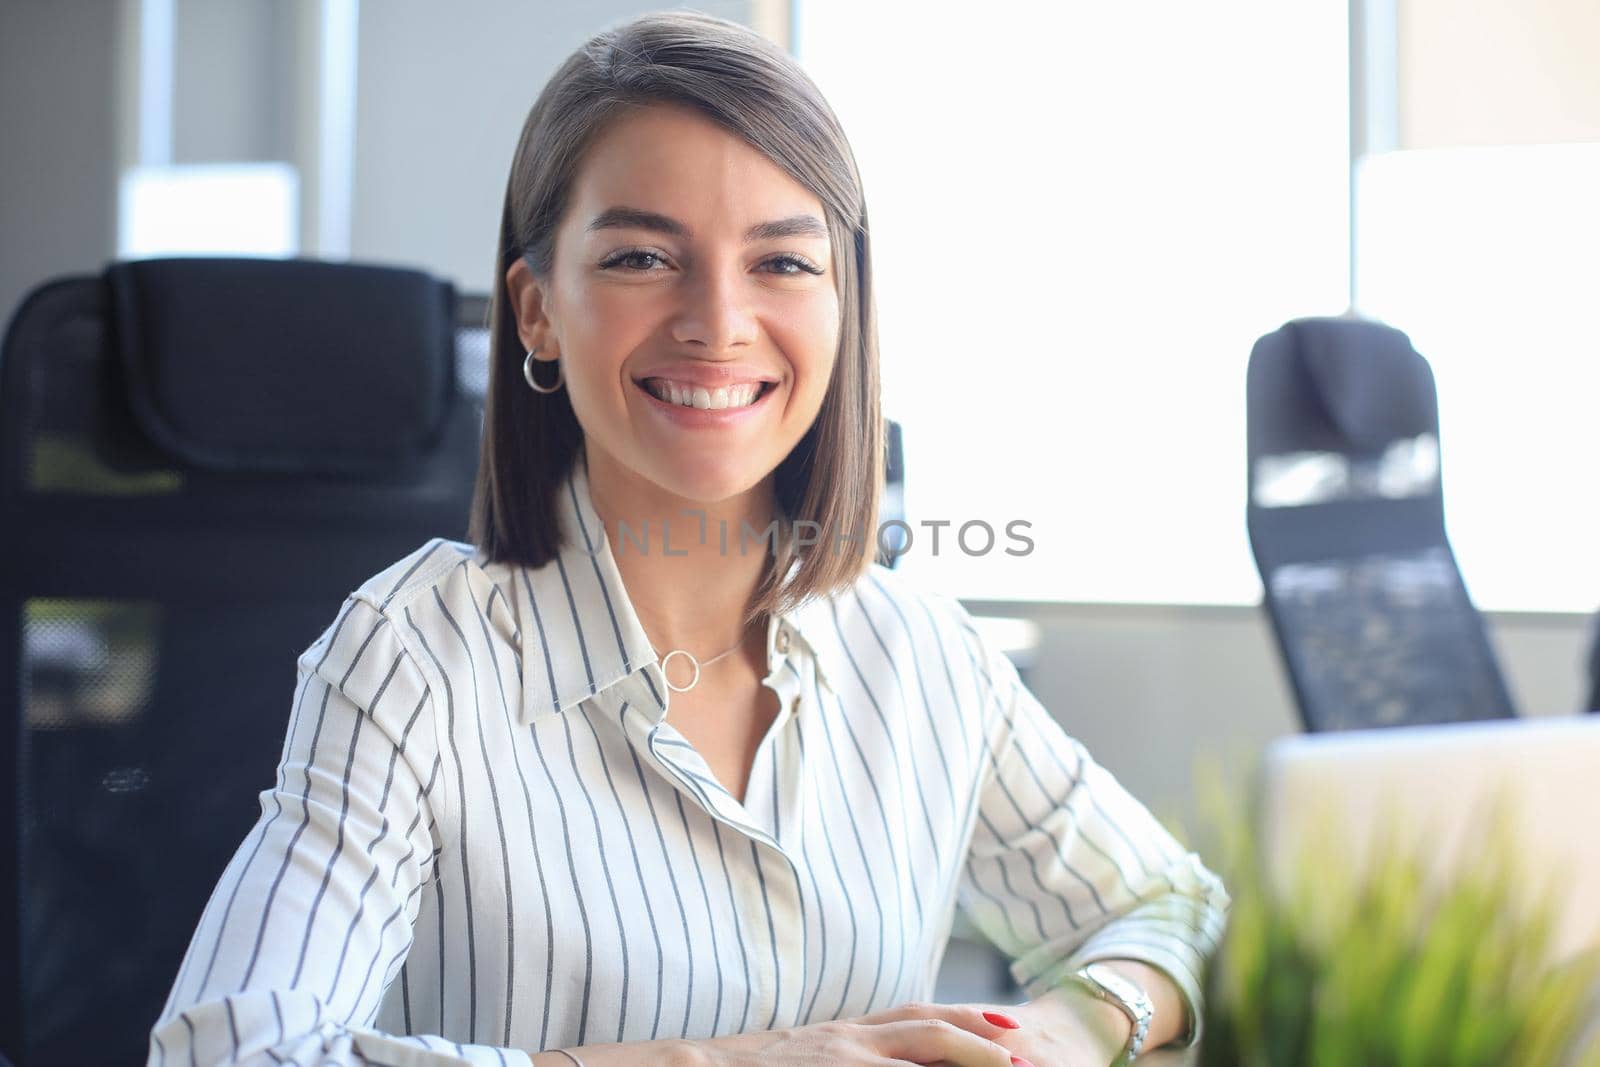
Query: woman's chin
x,y
709,484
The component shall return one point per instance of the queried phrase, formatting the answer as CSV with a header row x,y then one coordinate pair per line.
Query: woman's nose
x,y
715,310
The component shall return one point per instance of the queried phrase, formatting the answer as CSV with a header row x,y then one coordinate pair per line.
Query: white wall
x,y
57,141
1498,72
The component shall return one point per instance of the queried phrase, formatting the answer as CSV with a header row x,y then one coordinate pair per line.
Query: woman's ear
x,y
527,307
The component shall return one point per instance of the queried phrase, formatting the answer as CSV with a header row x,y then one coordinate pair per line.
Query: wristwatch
x,y
1106,984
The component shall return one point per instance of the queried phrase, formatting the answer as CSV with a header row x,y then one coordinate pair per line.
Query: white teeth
x,y
736,396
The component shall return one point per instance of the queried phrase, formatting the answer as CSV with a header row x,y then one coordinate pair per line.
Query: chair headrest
x,y
264,365
1375,386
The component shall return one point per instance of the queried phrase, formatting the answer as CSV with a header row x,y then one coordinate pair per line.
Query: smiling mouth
x,y
721,398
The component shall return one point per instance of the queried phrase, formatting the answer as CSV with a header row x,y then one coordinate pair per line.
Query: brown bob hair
x,y
831,483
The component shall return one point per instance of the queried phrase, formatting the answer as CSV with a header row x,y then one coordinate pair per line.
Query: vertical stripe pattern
x,y
485,837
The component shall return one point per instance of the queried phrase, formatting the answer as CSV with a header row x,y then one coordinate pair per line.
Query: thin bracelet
x,y
568,1055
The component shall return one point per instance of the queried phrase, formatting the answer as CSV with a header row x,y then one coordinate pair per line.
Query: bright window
x,y
1083,217
209,209
1489,258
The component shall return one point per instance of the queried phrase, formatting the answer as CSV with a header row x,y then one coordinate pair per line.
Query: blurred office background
x,y
1085,215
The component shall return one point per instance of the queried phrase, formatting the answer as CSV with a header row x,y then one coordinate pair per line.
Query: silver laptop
x,y
1434,786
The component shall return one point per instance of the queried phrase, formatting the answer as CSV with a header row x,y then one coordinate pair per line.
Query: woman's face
x,y
686,256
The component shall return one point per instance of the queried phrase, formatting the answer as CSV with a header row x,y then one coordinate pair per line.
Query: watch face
x,y
1116,984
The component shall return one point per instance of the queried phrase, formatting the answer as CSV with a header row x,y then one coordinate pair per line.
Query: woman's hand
x,y
948,1035
1062,1028
1067,1027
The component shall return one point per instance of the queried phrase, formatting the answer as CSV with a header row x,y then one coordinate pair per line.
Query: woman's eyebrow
x,y
802,225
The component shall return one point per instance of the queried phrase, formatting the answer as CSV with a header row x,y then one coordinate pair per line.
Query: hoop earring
x,y
527,372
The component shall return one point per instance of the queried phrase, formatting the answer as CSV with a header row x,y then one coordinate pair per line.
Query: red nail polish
x,y
1000,1018
1018,1061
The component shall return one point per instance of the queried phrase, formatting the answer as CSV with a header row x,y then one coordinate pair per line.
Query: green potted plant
x,y
1383,963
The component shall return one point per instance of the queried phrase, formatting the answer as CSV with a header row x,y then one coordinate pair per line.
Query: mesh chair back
x,y
1346,521
199,460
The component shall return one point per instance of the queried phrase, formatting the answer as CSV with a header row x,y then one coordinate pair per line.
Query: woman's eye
x,y
794,265
632,260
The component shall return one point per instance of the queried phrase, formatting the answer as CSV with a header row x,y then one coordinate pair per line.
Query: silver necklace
x,y
697,664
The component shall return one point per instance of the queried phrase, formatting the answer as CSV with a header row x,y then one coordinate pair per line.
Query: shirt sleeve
x,y
313,916
1065,867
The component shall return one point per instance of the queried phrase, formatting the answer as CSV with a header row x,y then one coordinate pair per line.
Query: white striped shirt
x,y
487,839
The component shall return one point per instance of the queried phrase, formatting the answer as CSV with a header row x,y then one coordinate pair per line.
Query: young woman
x,y
663,768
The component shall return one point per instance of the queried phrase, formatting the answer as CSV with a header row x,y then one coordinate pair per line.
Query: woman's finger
x,y
980,1019
936,1040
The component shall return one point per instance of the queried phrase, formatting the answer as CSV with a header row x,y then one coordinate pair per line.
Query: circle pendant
x,y
691,659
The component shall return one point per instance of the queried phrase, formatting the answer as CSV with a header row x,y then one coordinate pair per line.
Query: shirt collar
x,y
579,632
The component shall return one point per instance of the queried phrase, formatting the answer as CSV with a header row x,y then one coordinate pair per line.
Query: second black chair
x,y
1346,520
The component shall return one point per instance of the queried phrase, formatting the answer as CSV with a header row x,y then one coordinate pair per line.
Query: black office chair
x,y
1346,520
198,460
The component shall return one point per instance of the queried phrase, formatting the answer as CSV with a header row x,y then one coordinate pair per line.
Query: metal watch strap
x,y
1108,985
